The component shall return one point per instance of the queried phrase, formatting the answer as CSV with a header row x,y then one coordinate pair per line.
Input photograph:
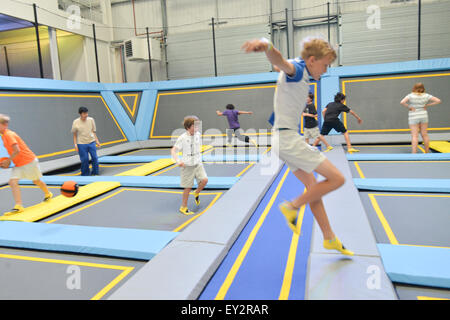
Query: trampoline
x,y
385,148
122,237
122,207
407,219
40,275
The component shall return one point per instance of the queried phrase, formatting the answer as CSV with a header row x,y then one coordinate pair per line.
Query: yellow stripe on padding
x,y
148,168
45,209
440,146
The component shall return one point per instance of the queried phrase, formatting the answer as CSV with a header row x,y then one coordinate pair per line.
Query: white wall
x,y
189,38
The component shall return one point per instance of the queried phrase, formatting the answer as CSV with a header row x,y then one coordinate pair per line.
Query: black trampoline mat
x,y
31,195
413,218
41,275
137,208
410,292
403,148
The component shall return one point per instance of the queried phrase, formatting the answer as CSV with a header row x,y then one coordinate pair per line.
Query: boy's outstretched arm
x,y
275,57
353,113
219,113
245,112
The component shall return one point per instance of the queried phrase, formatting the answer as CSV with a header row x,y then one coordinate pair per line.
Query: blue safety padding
x,y
115,242
120,114
133,181
391,68
38,84
206,158
423,266
408,185
208,82
144,117
329,87
397,156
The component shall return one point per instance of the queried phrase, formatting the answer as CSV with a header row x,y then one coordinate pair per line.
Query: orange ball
x,y
69,189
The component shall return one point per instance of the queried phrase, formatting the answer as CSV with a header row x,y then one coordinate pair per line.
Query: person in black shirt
x,y
331,119
310,126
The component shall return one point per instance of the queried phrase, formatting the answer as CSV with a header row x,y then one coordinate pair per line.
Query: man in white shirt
x,y
86,141
189,144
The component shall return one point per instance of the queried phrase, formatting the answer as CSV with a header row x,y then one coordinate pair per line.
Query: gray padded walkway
x,y
182,269
336,277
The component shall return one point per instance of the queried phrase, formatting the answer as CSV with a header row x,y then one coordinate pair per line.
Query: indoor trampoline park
x,y
224,150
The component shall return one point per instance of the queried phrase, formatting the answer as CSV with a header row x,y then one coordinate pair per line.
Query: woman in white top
x,y
417,102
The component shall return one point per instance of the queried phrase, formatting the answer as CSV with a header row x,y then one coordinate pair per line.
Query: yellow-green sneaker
x,y
17,209
290,214
336,244
329,148
197,198
48,196
353,150
185,211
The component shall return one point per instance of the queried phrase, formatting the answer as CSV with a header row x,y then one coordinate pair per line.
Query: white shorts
x,y
188,174
311,133
292,148
417,120
30,171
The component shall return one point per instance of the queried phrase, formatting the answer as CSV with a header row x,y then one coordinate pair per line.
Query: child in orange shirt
x,y
26,164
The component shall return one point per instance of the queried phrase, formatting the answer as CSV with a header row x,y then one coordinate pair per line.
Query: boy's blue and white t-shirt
x,y
290,96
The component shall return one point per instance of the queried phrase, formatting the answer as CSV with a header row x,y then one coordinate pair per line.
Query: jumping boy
x,y
310,126
191,162
234,126
26,165
331,119
302,159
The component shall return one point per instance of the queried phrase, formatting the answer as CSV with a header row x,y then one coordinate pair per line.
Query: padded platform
x,y
131,159
114,242
59,203
205,158
132,181
424,266
148,168
409,185
440,146
397,156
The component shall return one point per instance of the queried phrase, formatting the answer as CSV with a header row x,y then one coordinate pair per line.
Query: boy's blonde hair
x,y
4,118
318,48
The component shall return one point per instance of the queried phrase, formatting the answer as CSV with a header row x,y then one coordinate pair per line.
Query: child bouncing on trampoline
x,y
189,144
302,159
234,126
311,127
331,119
